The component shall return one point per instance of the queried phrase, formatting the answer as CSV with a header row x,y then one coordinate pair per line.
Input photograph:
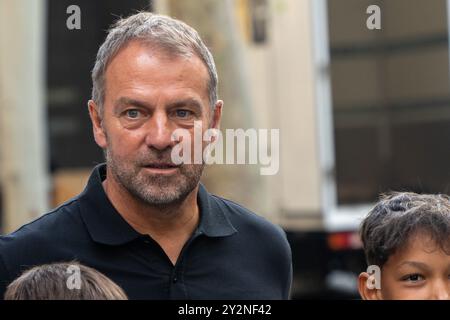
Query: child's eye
x,y
415,277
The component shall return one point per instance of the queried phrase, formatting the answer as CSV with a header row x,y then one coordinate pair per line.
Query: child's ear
x,y
365,289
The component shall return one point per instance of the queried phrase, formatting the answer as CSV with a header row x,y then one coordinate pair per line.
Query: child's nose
x,y
441,290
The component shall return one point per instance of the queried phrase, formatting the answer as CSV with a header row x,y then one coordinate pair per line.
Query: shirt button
x,y
175,279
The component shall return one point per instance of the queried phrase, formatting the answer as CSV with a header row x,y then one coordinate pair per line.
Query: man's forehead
x,y
139,73
138,53
138,67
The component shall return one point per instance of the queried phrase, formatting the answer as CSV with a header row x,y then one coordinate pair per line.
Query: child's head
x,y
63,281
407,236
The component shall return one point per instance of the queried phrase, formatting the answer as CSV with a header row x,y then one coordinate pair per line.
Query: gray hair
x,y
162,31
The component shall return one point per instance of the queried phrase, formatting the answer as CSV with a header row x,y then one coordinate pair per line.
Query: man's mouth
x,y
164,165
164,168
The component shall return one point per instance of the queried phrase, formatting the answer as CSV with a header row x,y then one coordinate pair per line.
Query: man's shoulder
x,y
246,220
47,229
259,238
66,211
39,241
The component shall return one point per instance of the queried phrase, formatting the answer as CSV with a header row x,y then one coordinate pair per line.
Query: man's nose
x,y
159,132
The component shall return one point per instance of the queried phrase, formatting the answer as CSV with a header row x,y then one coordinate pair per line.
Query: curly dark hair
x,y
400,215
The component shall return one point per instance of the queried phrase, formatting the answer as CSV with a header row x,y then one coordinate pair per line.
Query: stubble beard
x,y
154,189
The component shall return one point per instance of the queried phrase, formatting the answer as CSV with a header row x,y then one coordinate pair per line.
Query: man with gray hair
x,y
143,220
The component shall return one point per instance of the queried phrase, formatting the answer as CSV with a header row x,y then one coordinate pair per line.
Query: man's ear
x,y
217,115
97,127
365,290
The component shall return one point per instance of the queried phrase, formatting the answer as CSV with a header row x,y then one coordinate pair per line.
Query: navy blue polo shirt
x,y
233,253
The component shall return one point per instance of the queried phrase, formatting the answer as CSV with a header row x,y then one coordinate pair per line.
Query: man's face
x,y
148,95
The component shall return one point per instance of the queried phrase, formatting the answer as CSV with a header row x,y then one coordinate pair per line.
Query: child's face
x,y
420,270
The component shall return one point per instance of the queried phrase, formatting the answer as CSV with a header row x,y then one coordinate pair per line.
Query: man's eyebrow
x,y
130,102
416,264
141,104
186,102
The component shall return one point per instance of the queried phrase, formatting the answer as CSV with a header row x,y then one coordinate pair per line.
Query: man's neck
x,y
170,226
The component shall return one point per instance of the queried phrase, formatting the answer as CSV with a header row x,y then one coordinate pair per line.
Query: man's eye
x,y
183,113
132,113
413,277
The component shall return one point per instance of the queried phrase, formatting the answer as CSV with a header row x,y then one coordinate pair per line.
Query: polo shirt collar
x,y
213,220
105,225
103,222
